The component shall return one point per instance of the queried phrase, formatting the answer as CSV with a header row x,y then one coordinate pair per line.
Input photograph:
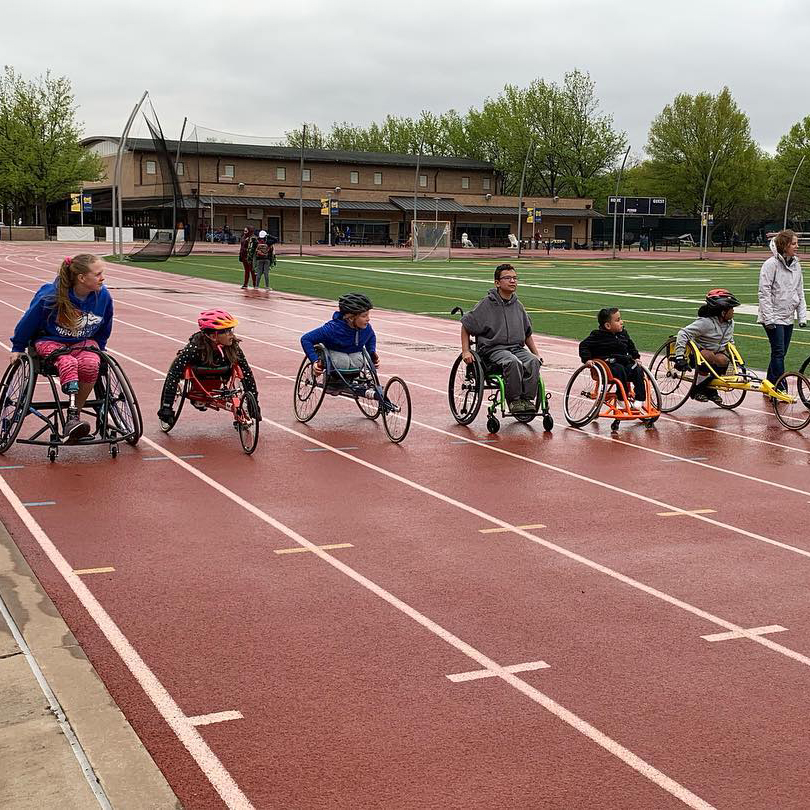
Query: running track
x,y
582,671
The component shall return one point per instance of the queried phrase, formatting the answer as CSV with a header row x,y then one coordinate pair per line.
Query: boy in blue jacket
x,y
345,336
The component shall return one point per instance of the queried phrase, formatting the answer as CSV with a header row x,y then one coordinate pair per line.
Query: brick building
x,y
259,185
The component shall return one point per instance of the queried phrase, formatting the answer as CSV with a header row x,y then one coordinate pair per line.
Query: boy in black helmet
x,y
345,336
712,331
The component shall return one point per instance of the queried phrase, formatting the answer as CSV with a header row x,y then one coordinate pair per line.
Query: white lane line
x,y
215,717
499,530
39,503
558,710
205,758
81,571
301,549
478,674
572,555
770,628
320,450
687,512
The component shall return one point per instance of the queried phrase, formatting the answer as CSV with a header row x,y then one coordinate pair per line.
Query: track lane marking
x,y
300,549
478,674
82,571
498,530
771,628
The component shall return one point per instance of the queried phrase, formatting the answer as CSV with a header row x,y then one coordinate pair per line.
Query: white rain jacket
x,y
781,290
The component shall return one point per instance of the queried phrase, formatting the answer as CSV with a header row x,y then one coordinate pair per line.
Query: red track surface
x,y
341,686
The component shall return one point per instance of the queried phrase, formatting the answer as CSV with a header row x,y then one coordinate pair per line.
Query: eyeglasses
x,y
228,331
508,278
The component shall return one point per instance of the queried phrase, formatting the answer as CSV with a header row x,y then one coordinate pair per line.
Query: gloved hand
x,y
802,324
681,364
166,414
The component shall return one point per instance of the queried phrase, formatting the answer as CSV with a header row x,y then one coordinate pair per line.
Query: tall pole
x,y
703,205
301,194
787,201
212,217
520,196
415,188
116,189
616,199
329,220
81,204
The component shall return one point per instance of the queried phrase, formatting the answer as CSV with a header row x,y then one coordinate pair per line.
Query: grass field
x,y
562,297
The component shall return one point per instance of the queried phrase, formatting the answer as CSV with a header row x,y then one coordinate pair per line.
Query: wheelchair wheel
x,y
466,390
731,397
793,415
654,395
370,408
180,396
125,413
16,393
396,409
675,386
247,422
308,393
584,395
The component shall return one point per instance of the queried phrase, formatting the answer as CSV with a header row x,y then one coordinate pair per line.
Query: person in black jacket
x,y
611,343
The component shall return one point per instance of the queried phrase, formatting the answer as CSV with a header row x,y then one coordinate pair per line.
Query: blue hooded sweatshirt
x,y
338,336
39,322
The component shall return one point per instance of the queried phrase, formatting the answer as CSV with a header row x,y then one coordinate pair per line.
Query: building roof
x,y
429,204
262,151
507,210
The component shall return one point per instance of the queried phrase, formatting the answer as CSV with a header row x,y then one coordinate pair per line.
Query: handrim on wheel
x,y
396,410
370,408
180,396
247,421
465,390
675,386
16,392
794,415
308,393
584,395
124,411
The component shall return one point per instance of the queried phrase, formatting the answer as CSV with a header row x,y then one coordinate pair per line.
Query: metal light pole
x,y
301,195
616,199
212,217
520,196
329,225
415,188
703,206
787,201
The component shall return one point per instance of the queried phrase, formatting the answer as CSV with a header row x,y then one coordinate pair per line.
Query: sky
x,y
263,68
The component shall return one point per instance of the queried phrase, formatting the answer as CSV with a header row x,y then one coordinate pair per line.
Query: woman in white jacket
x,y
781,298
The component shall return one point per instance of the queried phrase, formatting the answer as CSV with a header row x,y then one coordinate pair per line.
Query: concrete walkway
x,y
45,763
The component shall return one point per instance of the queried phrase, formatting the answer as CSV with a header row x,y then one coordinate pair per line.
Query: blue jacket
x,y
340,337
39,322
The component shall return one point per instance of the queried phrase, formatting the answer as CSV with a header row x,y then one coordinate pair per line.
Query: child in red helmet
x,y
712,332
214,346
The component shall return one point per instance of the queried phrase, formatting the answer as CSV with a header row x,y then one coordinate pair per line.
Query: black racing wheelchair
x,y
469,382
392,401
113,408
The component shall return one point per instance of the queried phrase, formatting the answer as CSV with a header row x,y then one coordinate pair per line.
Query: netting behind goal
x,y
430,239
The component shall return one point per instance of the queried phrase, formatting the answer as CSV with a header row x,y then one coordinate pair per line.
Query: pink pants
x,y
78,365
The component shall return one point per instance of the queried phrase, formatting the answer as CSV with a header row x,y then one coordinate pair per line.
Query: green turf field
x,y
562,297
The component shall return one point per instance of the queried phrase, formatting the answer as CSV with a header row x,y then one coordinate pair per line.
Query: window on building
x,y
487,183
354,177
307,175
228,170
465,182
180,168
377,178
281,173
423,181
151,167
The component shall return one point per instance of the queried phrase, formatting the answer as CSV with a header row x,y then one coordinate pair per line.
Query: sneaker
x,y
516,406
714,396
699,396
528,406
75,428
243,287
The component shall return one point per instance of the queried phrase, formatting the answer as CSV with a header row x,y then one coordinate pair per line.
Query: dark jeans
x,y
779,338
628,375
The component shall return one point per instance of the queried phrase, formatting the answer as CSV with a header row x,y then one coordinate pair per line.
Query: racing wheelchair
x,y
469,383
789,395
218,389
393,401
593,392
113,407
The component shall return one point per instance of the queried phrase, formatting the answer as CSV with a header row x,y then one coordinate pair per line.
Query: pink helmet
x,y
216,319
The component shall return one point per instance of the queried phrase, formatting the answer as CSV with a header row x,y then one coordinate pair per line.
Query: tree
x,y
684,140
41,158
791,149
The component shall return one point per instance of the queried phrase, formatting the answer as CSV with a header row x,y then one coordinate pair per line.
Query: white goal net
x,y
430,239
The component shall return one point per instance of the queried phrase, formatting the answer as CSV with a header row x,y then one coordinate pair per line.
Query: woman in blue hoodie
x,y
74,311
345,336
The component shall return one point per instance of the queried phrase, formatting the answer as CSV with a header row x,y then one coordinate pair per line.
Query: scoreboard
x,y
638,206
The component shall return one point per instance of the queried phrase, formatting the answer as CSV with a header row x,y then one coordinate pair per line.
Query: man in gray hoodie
x,y
503,331
781,298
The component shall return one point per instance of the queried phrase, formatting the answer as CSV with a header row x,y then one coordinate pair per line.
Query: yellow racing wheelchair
x,y
789,395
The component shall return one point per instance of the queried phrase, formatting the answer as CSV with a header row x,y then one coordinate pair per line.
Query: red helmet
x,y
722,299
216,319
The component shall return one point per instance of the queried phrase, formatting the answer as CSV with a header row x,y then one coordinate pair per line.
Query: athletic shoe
x,y
699,396
75,428
714,396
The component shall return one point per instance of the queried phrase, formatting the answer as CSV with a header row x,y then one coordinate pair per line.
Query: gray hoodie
x,y
708,332
497,322
781,290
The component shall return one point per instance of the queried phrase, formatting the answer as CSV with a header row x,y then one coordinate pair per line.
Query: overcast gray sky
x,y
262,68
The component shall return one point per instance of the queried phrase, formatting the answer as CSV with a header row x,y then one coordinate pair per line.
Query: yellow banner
x,y
76,203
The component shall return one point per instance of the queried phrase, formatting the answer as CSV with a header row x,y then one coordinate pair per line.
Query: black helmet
x,y
353,303
721,299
